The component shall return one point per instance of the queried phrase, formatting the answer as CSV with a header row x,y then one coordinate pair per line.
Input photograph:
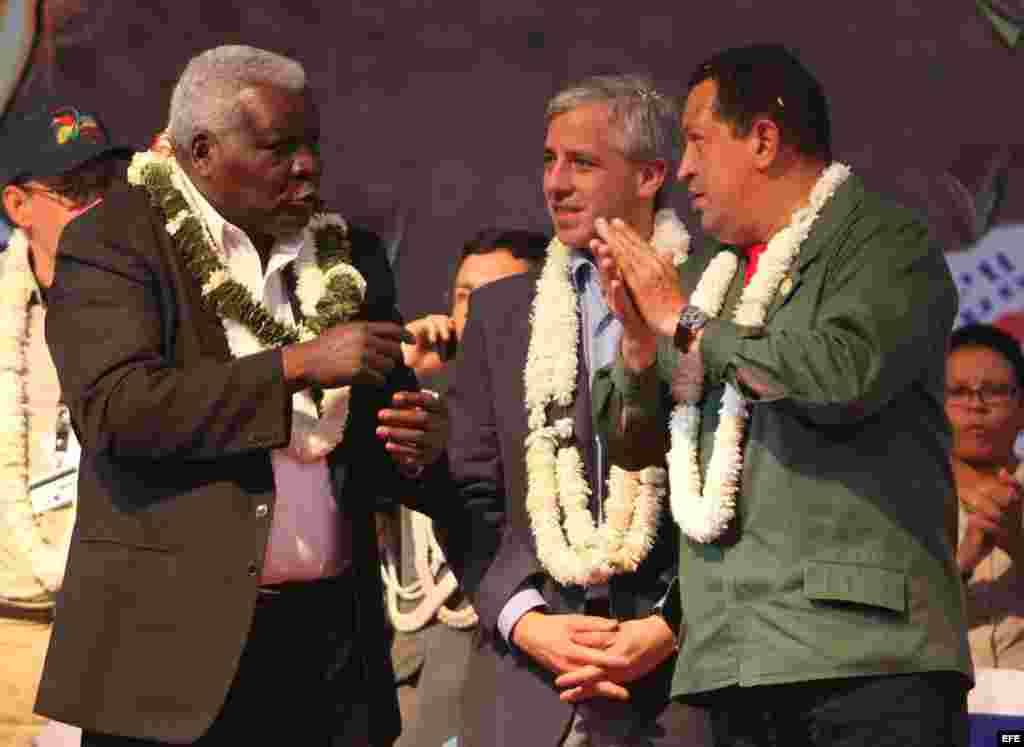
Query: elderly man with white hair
x,y
231,356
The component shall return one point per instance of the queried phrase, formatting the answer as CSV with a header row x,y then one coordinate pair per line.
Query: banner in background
x,y
990,279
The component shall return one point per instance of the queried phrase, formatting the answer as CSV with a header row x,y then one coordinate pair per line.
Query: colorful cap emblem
x,y
50,142
70,126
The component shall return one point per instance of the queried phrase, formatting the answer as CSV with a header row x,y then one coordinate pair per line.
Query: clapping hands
x,y
641,288
994,519
648,277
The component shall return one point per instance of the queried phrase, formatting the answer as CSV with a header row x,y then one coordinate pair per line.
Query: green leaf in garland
x,y
341,302
232,300
199,260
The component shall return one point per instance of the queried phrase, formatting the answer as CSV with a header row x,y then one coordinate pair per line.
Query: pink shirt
x,y
310,537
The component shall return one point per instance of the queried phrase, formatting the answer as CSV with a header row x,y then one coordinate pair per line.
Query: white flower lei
x,y
24,538
704,513
577,550
432,592
313,436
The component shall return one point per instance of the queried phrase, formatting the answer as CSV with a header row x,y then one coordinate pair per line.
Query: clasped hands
x,y
594,657
994,511
641,287
415,425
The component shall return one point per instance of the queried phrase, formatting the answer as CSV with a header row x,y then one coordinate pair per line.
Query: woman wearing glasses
x,y
985,404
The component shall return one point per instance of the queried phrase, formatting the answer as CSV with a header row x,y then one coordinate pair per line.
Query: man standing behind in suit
x,y
231,357
809,466
434,637
524,453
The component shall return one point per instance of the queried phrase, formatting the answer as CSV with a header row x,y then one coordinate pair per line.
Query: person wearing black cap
x,y
54,164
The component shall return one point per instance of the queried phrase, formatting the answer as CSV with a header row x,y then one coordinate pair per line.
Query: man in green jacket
x,y
801,356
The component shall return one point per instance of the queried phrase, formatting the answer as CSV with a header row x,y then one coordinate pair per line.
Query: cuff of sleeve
x,y
638,388
270,377
669,607
718,346
518,605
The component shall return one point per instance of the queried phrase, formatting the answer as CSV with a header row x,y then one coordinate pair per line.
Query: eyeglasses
x,y
51,194
992,395
71,204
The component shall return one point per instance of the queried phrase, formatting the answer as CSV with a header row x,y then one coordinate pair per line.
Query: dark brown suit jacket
x,y
167,548
509,700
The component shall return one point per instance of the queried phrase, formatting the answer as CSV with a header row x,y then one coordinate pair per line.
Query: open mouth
x,y
304,202
564,211
975,433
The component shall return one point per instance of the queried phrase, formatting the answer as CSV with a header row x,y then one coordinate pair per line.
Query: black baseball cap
x,y
51,142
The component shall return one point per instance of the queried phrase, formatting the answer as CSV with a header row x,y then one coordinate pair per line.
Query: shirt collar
x,y
208,214
283,251
577,260
588,286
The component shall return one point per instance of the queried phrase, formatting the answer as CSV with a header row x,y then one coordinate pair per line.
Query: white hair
x,y
205,98
647,120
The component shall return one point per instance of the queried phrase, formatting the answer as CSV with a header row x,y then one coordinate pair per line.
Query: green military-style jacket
x,y
840,561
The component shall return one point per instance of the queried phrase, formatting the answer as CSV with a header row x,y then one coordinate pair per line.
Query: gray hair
x,y
647,120
205,98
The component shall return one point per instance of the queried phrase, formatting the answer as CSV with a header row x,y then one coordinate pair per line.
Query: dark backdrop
x,y
433,111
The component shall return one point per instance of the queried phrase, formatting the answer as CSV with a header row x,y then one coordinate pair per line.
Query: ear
x,y
203,153
650,178
16,203
765,142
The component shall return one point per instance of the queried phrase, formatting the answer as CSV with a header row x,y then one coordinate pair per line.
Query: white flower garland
x,y
433,591
313,435
23,538
570,545
703,513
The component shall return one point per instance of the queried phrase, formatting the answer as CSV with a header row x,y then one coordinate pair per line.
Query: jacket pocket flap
x,y
111,542
861,584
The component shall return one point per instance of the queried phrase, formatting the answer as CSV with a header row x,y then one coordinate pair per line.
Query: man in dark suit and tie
x,y
231,357
567,565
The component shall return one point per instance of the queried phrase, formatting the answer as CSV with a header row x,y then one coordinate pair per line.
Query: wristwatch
x,y
691,320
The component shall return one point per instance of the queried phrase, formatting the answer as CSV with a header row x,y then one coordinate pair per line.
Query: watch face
x,y
692,317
